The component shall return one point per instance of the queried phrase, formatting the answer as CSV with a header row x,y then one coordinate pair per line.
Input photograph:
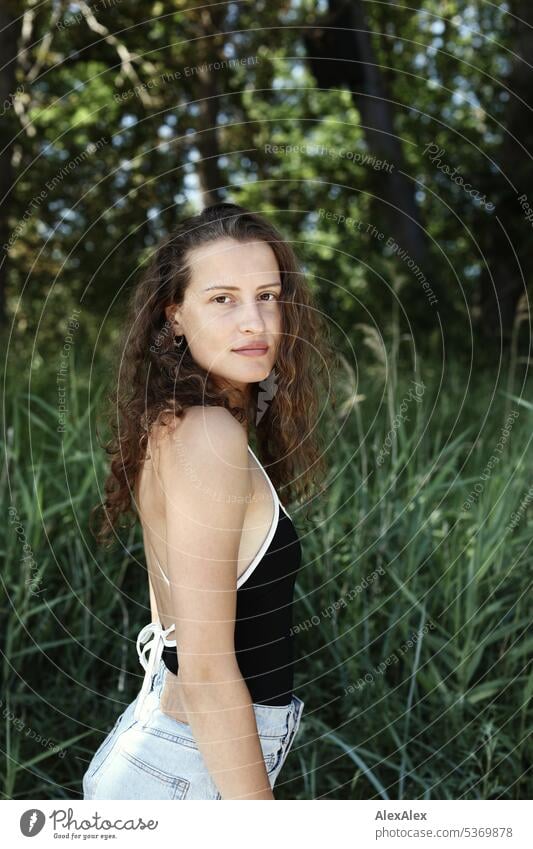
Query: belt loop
x,y
291,719
296,715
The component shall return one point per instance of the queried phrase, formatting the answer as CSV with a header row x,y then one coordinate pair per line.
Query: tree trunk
x,y
207,89
345,57
207,139
507,246
10,24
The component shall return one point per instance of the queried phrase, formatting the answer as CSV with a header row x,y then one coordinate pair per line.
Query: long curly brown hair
x,y
156,378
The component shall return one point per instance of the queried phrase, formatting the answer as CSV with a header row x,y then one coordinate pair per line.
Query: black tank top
x,y
263,639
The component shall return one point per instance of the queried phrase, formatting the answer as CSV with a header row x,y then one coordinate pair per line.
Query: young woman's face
x,y
232,301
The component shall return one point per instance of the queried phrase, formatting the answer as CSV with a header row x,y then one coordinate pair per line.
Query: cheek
x,y
208,329
204,337
277,321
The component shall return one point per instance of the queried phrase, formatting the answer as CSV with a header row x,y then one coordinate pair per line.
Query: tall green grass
x,y
448,718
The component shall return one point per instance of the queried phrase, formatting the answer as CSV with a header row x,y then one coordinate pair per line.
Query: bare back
x,y
151,506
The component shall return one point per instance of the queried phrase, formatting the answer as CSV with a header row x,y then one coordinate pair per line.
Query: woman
x,y
222,336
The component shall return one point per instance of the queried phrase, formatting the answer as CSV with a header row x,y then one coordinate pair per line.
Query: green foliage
x,y
114,121
122,128
411,611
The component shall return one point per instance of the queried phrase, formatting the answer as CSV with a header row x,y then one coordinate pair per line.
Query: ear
x,y
170,312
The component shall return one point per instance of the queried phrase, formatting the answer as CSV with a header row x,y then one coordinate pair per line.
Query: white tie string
x,y
150,657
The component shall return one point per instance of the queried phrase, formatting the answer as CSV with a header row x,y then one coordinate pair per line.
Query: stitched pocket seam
x,y
272,760
174,738
180,784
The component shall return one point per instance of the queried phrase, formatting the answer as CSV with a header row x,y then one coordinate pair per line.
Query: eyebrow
x,y
237,288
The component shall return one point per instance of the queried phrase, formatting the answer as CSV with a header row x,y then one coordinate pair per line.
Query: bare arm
x,y
206,481
153,603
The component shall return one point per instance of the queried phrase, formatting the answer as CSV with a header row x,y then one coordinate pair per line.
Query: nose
x,y
251,318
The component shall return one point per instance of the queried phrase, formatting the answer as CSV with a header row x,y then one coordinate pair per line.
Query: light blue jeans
x,y
149,755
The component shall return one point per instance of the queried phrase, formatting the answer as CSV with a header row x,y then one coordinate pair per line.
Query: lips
x,y
253,349
252,346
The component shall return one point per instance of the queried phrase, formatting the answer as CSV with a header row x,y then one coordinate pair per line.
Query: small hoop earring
x,y
180,343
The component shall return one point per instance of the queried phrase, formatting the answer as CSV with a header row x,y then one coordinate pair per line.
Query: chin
x,y
254,373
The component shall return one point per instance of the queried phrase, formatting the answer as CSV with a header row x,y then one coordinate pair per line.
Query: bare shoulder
x,y
209,429
206,451
197,423
211,420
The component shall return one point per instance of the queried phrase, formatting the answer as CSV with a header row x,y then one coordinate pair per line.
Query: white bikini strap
x,y
271,485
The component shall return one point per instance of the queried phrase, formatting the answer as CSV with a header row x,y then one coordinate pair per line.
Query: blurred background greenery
x,y
391,146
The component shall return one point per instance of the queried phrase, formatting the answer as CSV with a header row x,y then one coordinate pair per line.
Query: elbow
x,y
201,676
